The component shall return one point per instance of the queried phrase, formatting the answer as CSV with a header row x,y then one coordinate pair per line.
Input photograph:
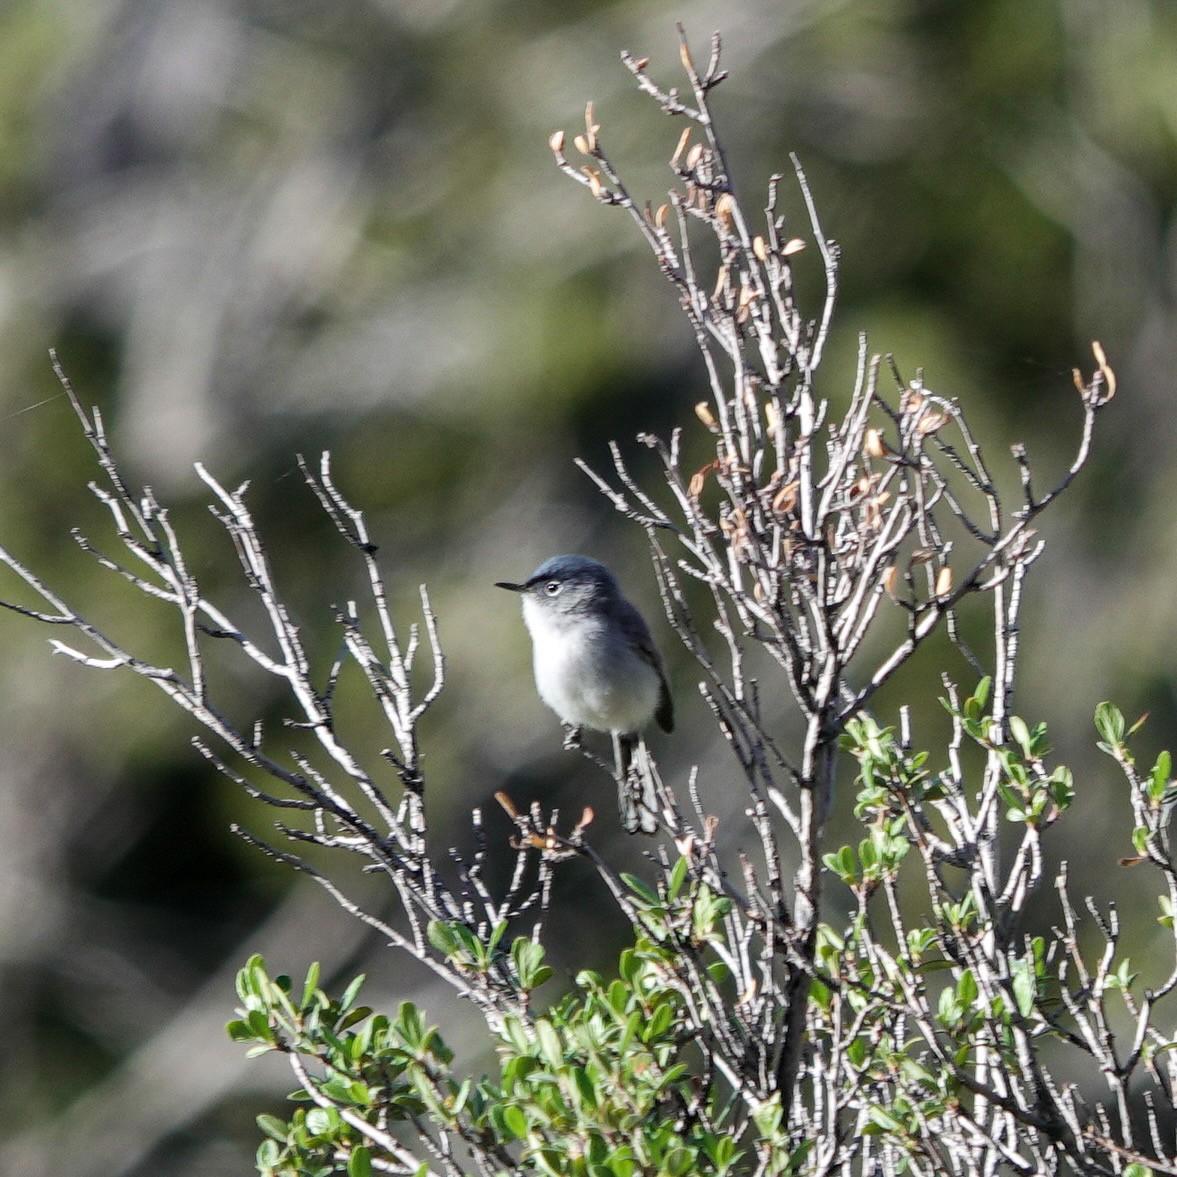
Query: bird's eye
x,y
552,587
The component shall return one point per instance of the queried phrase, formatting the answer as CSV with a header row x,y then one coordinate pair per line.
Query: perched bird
x,y
596,666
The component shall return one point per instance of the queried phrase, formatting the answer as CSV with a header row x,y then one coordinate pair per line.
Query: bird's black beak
x,y
512,588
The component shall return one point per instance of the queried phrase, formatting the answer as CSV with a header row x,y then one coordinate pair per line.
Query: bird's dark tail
x,y
636,796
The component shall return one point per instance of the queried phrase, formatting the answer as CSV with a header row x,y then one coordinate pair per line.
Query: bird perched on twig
x,y
596,666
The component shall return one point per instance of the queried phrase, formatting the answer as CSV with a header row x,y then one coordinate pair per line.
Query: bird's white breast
x,y
587,674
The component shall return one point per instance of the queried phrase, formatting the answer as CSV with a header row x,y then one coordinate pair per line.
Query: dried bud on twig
x,y
699,479
556,142
796,245
1105,370
944,582
725,208
863,486
772,415
703,412
873,444
785,499
591,129
930,422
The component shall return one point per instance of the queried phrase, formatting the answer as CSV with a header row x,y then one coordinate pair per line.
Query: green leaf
x,y
639,888
245,976
1020,733
884,1120
549,1043
527,957
966,989
311,985
349,994
515,1121
278,1129
678,876
1160,776
359,1164
1024,987
441,936
1109,722
239,1031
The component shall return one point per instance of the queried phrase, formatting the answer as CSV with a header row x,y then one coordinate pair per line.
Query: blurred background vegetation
x,y
254,228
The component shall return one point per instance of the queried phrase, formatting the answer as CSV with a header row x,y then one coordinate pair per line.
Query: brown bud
x,y
507,804
930,422
759,248
641,63
591,127
694,155
873,445
698,479
889,579
684,55
1105,369
594,182
796,245
944,581
861,487
556,142
661,215
922,555
582,145
725,208
682,143
703,412
772,415
785,499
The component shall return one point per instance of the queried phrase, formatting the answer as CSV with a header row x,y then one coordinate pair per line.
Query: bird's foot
x,y
571,737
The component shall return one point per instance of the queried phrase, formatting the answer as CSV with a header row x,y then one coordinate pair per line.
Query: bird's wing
x,y
640,632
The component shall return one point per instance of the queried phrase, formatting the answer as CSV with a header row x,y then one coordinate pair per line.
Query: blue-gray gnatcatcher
x,y
596,666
